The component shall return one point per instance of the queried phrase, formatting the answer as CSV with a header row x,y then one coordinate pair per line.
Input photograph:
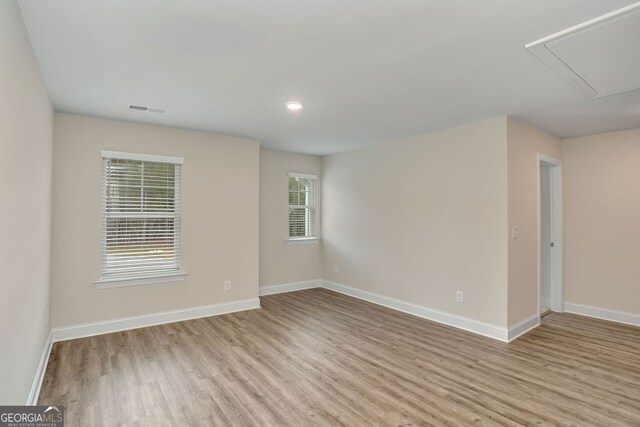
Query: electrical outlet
x,y
227,285
515,233
459,296
336,269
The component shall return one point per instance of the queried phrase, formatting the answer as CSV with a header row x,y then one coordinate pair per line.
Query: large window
x,y
302,206
140,216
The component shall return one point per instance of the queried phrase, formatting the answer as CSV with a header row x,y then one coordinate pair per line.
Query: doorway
x,y
550,263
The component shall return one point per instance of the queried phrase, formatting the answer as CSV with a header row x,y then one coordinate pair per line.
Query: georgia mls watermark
x,y
31,416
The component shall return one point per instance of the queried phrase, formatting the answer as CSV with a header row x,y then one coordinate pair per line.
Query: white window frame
x,y
117,281
307,239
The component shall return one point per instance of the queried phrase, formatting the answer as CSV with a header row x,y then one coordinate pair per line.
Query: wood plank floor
x,y
316,357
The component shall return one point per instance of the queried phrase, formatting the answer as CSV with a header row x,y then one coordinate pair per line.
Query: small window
x,y
302,206
140,216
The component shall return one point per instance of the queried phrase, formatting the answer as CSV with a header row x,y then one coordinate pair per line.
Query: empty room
x,y
337,212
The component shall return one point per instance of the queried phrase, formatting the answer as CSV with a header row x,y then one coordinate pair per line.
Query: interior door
x,y
545,238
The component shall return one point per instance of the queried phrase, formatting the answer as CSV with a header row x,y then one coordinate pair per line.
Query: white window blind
x,y
140,216
302,205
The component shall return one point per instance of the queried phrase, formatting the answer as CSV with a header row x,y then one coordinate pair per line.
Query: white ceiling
x,y
368,71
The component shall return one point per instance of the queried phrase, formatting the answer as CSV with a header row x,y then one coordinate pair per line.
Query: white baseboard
x,y
32,399
486,329
134,322
603,313
290,287
524,326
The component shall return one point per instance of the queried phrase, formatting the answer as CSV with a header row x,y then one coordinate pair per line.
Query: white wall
x,y
420,218
26,135
220,185
281,263
602,220
525,142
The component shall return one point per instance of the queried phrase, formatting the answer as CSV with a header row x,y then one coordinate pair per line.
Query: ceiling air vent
x,y
146,108
600,57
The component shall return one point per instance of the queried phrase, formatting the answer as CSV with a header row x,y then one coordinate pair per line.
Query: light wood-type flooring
x,y
316,357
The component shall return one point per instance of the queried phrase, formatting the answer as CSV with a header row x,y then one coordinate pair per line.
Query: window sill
x,y
147,280
303,241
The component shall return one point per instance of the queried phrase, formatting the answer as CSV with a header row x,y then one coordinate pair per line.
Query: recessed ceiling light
x,y
294,105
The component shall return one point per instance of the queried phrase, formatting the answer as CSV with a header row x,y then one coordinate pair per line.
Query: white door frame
x,y
556,293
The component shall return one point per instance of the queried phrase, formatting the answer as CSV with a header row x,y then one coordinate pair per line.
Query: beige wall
x,y
602,220
26,136
219,219
524,144
420,218
281,263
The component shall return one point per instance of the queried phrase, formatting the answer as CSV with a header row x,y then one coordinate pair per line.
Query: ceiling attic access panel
x,y
599,57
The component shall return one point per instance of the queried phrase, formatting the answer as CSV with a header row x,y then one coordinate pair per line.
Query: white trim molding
x,y
135,281
470,325
32,399
290,287
134,322
524,326
603,313
303,241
